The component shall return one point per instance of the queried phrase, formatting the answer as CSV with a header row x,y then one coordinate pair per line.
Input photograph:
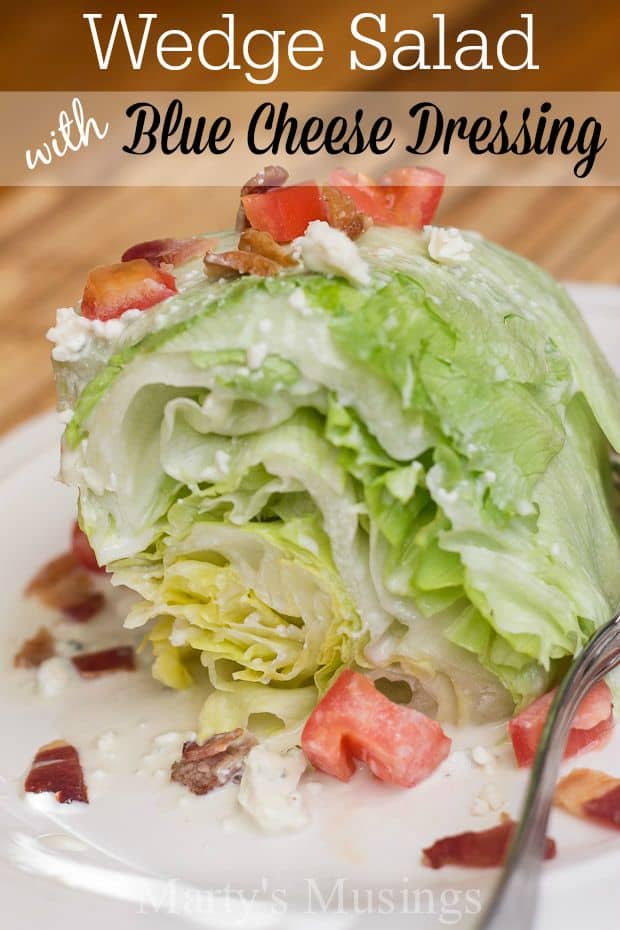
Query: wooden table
x,y
51,237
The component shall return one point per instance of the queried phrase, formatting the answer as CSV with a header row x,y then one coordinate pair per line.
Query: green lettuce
x,y
413,480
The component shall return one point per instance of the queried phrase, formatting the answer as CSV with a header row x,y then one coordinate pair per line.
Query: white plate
x,y
145,851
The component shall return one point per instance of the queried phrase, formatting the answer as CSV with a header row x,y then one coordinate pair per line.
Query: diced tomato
x,y
355,721
169,251
342,178
285,211
365,193
112,289
591,728
82,550
416,191
404,197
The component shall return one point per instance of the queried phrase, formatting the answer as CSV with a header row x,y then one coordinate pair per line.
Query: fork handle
x,y
513,905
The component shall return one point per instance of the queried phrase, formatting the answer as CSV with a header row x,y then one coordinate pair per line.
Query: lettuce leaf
x,y
413,480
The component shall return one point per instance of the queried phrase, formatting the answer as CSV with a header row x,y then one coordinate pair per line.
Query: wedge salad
x,y
355,466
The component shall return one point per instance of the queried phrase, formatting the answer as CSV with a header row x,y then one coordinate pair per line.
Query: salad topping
x,y
447,246
590,794
94,664
258,253
592,726
405,197
63,584
57,769
480,849
35,650
313,473
111,290
170,251
354,721
269,789
216,762
328,250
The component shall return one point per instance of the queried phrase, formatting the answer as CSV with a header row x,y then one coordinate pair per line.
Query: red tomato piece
x,y
417,192
342,178
367,195
404,197
112,289
169,251
591,728
82,550
285,212
355,721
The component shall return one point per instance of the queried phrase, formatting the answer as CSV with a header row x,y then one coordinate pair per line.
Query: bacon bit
x,y
263,243
87,609
94,664
64,584
233,263
258,253
266,180
169,251
343,214
606,808
61,583
36,650
479,849
590,794
56,768
132,285
47,578
218,761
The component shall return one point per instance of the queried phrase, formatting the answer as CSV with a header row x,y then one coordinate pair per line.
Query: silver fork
x,y
513,905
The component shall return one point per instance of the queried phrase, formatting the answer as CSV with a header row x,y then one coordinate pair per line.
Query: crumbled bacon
x,y
605,808
86,609
218,761
480,849
262,243
266,180
56,768
111,290
591,794
64,584
343,214
94,664
233,263
36,650
169,251
53,575
258,253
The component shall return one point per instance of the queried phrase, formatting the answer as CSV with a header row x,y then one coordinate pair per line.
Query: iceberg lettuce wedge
x,y
298,474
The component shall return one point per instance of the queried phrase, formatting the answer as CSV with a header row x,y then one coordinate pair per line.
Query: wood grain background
x,y
49,238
